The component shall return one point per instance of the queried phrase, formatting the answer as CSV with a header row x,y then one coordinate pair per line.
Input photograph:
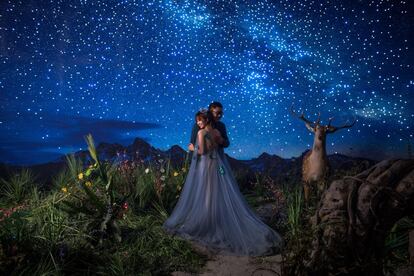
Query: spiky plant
x,y
18,187
397,243
93,196
294,211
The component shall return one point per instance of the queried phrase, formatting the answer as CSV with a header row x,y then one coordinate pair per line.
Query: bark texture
x,y
355,215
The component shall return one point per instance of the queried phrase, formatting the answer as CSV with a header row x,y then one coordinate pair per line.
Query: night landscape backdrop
x,y
97,104
126,69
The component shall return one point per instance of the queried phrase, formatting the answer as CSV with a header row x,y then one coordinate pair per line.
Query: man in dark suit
x,y
216,109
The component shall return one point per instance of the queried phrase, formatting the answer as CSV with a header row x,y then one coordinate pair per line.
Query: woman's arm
x,y
200,141
193,137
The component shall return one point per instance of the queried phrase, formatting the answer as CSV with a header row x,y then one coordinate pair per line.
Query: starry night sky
x,y
126,69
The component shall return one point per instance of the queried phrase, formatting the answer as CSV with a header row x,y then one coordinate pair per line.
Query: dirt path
x,y
236,265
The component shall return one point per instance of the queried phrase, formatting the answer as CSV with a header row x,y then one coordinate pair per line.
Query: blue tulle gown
x,y
212,211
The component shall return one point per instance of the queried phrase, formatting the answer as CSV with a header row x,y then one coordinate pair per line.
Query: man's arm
x,y
194,134
223,132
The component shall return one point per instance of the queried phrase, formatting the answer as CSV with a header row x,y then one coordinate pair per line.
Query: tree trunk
x,y
355,215
411,247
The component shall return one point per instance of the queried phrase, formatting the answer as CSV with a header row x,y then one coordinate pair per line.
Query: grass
x,y
54,243
295,208
298,230
18,188
41,235
396,244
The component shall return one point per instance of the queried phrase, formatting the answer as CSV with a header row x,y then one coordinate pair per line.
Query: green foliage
x,y
260,186
17,188
14,227
50,237
150,251
155,184
49,225
295,208
145,191
170,193
263,190
93,196
69,230
66,176
75,166
299,231
396,244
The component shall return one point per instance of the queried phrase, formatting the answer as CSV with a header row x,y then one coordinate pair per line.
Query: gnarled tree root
x,y
355,215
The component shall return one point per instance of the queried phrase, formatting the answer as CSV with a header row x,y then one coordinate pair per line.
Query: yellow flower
x,y
88,183
184,170
176,173
80,176
64,189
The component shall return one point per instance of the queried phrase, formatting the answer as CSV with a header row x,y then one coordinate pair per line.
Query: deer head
x,y
315,167
319,130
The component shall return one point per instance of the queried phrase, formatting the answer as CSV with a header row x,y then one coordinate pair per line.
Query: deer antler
x,y
308,123
319,119
329,122
332,129
302,116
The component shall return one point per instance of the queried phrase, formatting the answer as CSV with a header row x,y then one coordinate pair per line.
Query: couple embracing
x,y
211,210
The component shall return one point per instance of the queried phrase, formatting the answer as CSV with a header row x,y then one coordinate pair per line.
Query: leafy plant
x,y
145,191
93,196
160,184
18,188
295,207
66,176
396,244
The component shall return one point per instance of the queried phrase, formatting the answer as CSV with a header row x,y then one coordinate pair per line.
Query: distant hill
x,y
278,168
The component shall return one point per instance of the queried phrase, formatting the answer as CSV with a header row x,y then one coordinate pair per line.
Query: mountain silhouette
x,y
278,168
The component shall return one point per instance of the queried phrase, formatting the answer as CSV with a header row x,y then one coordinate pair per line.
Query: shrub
x,y
18,188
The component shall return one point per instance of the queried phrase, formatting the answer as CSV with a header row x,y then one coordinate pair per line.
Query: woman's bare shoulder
x,y
202,132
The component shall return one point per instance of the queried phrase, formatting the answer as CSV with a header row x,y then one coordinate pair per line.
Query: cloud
x,y
27,139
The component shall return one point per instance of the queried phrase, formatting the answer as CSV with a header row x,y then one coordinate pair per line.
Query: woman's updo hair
x,y
204,114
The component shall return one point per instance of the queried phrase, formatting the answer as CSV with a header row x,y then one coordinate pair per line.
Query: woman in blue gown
x,y
212,211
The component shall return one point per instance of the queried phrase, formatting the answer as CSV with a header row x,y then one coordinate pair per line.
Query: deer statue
x,y
315,166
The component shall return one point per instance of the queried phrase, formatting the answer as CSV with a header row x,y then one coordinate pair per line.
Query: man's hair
x,y
215,104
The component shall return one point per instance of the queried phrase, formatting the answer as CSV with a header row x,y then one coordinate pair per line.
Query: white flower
x,y
162,170
162,177
147,170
